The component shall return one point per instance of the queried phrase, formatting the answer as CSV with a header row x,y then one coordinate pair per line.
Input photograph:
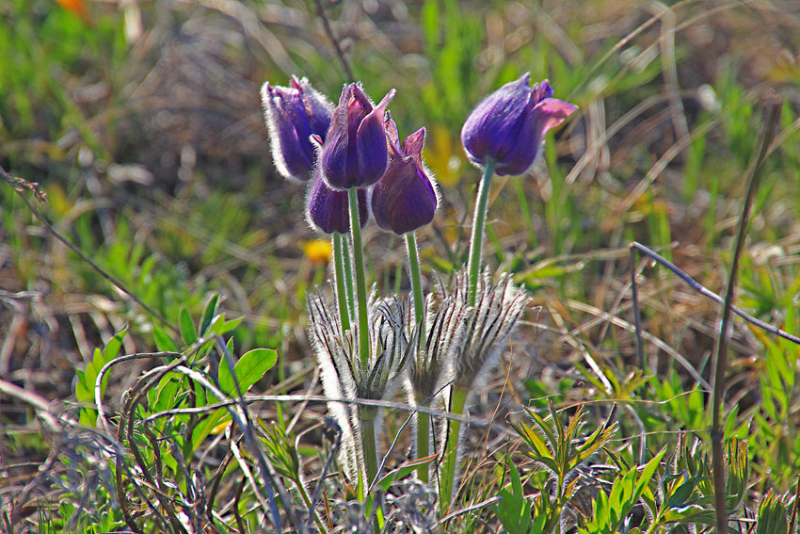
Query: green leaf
x,y
202,430
114,345
647,473
250,368
187,327
209,313
514,510
82,392
228,326
163,341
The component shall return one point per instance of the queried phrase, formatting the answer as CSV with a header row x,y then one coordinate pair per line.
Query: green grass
x,y
211,241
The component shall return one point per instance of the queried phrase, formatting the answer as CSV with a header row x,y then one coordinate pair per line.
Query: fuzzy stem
x,y
348,278
478,222
458,400
361,281
339,275
416,284
423,443
369,446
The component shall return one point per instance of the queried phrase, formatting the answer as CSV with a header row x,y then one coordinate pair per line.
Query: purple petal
x,y
490,129
318,108
371,143
541,91
552,112
413,145
404,199
327,209
334,151
288,129
392,137
545,115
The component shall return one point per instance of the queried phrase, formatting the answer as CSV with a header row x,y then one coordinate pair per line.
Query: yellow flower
x,y
317,250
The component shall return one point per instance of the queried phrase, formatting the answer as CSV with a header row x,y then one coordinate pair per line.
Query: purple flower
x,y
404,199
354,153
327,209
293,115
508,126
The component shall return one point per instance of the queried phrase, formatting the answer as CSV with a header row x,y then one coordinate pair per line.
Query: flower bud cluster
x,y
354,145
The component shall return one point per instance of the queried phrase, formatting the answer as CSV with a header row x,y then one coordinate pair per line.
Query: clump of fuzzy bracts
x,y
342,376
487,328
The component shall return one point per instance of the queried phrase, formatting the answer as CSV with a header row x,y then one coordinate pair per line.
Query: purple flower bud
x,y
508,126
404,199
293,115
354,153
327,209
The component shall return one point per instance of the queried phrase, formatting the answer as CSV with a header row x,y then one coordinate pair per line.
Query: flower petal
x,y
490,129
551,112
404,199
371,145
334,152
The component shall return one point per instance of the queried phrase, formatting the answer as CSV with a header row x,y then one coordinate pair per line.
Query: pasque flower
x,y
327,209
508,126
355,152
293,115
404,199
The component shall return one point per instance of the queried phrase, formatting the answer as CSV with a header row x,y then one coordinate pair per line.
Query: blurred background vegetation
x,y
141,121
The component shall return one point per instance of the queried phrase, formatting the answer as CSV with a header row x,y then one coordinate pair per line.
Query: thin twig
x,y
315,398
637,313
770,129
713,296
19,185
335,42
98,384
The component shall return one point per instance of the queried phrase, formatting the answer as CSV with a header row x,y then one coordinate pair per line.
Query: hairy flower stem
x,y
416,284
367,416
361,282
458,400
348,279
423,419
339,275
478,223
423,444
